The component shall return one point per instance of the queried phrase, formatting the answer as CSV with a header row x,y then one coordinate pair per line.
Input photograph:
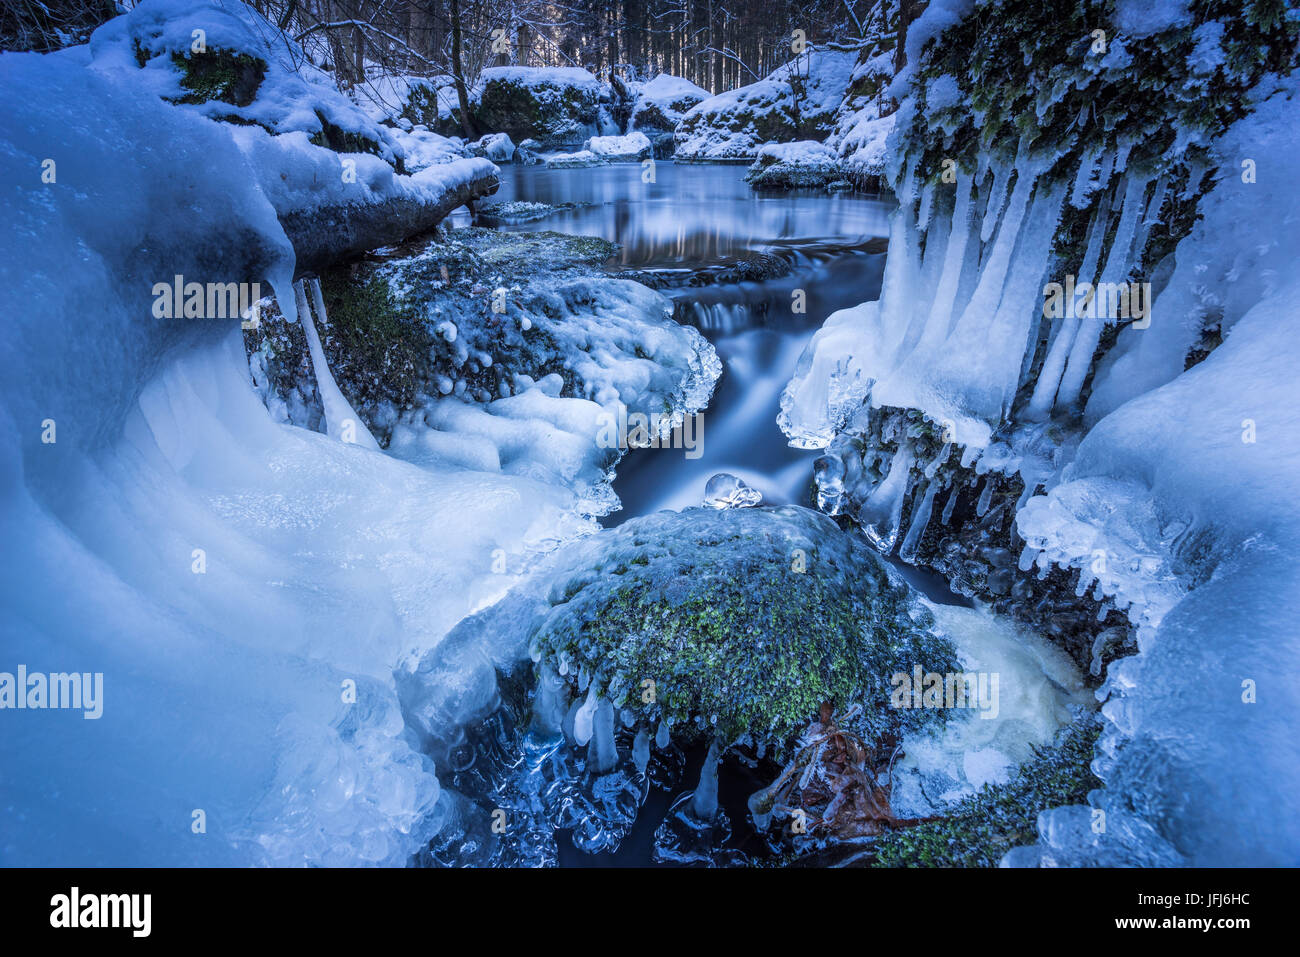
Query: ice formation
x,y
1141,473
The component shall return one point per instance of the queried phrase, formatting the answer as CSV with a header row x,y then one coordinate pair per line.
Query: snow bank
x,y
245,588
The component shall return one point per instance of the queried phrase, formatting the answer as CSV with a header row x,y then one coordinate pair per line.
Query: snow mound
x,y
619,149
663,102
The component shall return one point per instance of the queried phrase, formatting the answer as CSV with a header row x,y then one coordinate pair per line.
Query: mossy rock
x,y
983,827
556,115
216,74
741,622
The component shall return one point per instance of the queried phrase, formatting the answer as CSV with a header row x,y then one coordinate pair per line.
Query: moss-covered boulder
x,y
727,624
559,107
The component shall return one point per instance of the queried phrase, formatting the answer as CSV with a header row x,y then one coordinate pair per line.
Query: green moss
x,y
734,638
384,347
552,114
217,74
335,138
982,828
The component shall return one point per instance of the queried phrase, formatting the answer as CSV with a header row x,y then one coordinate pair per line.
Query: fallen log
x,y
327,234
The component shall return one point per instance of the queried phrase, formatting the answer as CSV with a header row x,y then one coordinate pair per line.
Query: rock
x,y
498,147
725,623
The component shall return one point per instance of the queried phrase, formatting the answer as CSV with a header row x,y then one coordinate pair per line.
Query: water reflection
x,y
700,215
690,214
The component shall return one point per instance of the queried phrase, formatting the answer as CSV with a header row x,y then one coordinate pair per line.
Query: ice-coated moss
x,y
736,622
983,827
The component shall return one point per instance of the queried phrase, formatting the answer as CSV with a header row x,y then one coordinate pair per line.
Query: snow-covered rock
x,y
572,160
662,103
559,106
798,101
619,149
497,147
806,163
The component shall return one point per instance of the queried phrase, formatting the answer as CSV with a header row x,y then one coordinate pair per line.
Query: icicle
x,y
1085,581
1152,216
550,703
641,751
584,719
341,421
986,497
997,196
1049,377
661,736
881,512
946,518
1027,558
602,754
1098,646
958,248
705,801
1084,185
1116,271
933,467
920,519
926,207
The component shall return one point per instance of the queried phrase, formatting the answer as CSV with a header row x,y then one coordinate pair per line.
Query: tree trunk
x,y
458,74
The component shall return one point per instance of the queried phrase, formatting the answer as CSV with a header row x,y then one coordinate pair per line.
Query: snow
x,y
569,160
542,81
288,98
497,147
1142,18
662,102
283,116
423,149
247,588
803,152
634,146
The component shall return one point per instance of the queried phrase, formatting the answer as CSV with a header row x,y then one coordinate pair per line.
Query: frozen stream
x,y
696,218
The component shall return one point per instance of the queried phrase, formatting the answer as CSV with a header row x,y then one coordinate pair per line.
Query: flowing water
x,y
689,226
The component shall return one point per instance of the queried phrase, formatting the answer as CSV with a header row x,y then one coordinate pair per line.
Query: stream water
x,y
683,231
